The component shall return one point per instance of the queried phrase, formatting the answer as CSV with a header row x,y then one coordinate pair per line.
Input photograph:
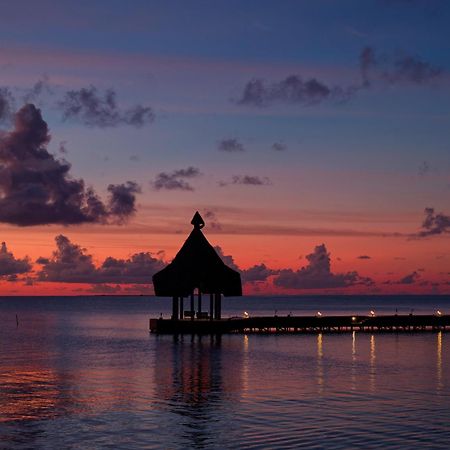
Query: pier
x,y
304,324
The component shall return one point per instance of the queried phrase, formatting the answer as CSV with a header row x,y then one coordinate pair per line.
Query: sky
x,y
313,137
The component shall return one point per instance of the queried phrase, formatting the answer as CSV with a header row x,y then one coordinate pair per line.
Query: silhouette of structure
x,y
197,266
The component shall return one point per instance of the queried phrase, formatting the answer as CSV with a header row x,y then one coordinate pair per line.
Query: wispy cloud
x,y
93,109
396,68
231,145
247,180
176,180
293,89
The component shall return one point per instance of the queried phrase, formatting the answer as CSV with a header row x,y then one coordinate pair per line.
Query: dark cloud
x,y
93,109
62,148
71,263
230,145
396,69
279,147
36,188
317,274
409,279
249,180
176,180
6,104
256,273
11,266
293,89
364,257
434,224
122,199
424,168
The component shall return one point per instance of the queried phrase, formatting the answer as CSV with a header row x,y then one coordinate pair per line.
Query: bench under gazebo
x,y
197,269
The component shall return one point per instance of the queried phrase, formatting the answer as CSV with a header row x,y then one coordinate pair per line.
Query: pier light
x,y
319,314
372,313
246,315
438,312
353,318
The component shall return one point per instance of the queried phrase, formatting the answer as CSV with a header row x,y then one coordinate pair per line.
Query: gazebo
x,y
197,266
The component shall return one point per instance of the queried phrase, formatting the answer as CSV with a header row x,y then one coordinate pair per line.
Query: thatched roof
x,y
197,265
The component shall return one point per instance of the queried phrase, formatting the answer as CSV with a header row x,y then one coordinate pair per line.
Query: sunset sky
x,y
313,137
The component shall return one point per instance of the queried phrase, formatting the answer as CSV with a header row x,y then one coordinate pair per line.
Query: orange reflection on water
x,y
27,394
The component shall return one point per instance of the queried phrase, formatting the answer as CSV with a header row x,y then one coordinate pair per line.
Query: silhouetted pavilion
x,y
197,266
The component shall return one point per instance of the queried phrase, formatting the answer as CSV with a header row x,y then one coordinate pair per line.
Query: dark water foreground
x,y
85,373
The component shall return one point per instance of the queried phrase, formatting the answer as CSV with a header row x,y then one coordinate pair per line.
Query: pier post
x,y
199,302
174,308
211,306
181,307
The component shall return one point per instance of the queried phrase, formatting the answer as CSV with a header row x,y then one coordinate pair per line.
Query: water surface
x,y
85,373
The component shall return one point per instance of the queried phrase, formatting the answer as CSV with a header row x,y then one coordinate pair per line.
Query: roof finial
x,y
197,221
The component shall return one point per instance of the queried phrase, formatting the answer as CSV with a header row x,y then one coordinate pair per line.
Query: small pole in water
x,y
17,320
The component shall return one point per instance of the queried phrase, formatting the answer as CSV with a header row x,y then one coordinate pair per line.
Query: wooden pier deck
x,y
303,324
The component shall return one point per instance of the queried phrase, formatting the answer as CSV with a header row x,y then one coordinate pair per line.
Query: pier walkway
x,y
303,324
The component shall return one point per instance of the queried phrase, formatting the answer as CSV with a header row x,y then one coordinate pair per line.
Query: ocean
x,y
85,373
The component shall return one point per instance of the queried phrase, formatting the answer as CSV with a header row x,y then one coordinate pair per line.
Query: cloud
x,y
230,145
105,289
11,266
424,168
364,257
71,263
434,224
176,179
6,104
409,279
39,88
37,189
212,220
248,180
256,273
317,274
396,69
122,200
279,147
294,90
400,68
93,109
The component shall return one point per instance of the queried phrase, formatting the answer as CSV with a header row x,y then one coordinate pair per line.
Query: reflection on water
x,y
99,380
320,362
439,361
373,366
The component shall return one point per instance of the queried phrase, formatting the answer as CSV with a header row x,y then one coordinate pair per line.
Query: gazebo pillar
x,y
174,308
192,306
181,307
199,303
218,307
211,306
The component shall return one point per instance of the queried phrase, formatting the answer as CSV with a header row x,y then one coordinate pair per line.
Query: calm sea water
x,y
84,373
